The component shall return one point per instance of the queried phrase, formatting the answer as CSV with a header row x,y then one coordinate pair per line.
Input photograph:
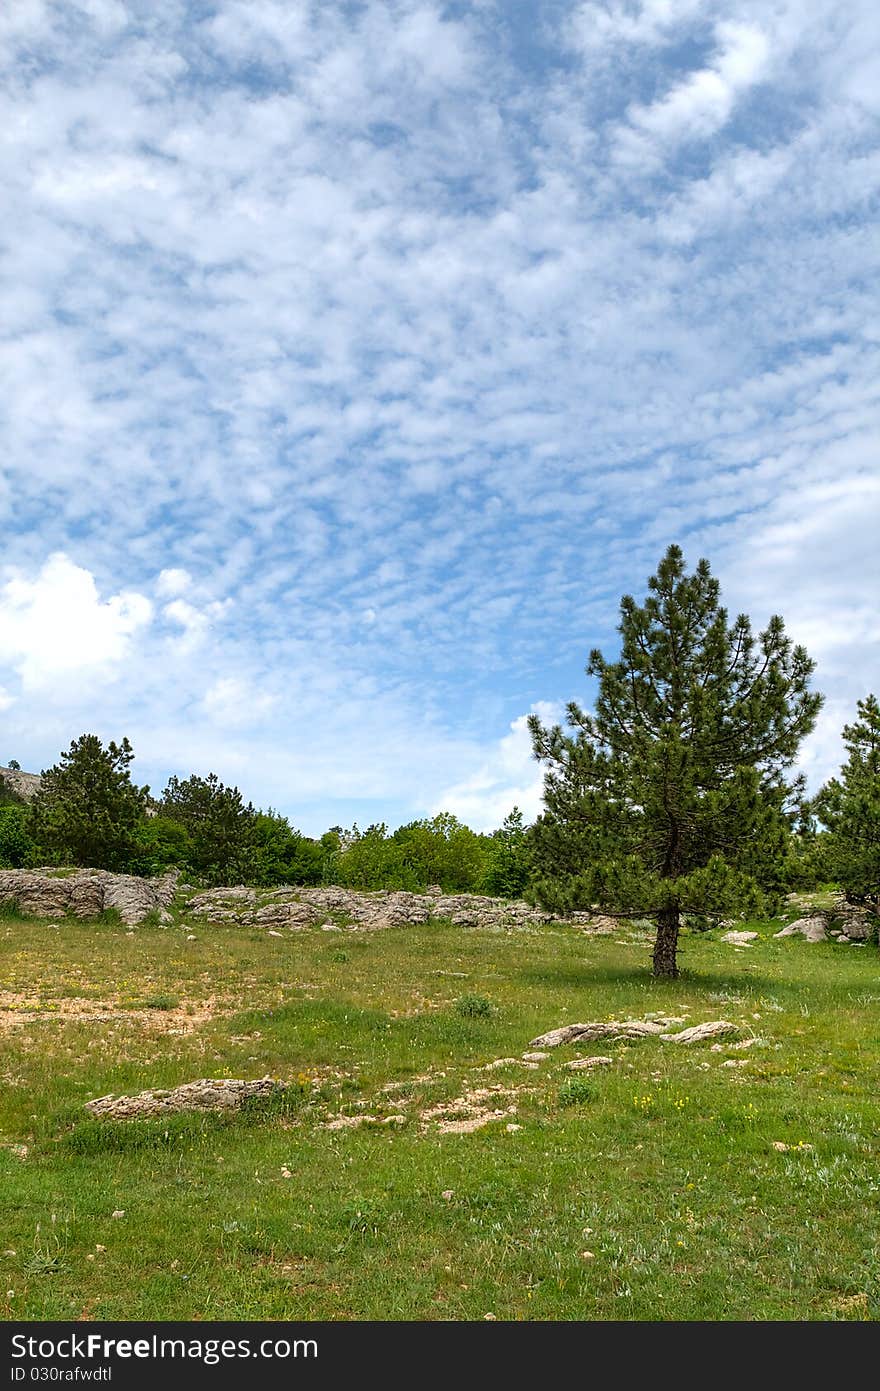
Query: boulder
x,y
575,1033
206,1094
814,929
739,939
715,1028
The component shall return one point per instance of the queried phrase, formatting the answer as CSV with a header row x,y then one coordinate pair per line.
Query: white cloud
x,y
57,627
700,105
355,323
172,583
508,776
232,700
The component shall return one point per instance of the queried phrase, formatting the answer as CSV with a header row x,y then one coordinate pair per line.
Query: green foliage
x,y
509,868
438,850
575,1091
849,806
161,843
219,826
473,1007
87,810
280,854
672,796
441,850
17,847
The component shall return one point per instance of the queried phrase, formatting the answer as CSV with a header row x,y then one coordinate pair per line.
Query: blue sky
x,y
357,357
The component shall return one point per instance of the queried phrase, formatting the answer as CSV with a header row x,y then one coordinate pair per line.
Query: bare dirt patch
x,y
19,1008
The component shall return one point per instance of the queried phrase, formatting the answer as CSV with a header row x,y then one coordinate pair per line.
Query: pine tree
x,y
849,806
672,796
219,824
87,809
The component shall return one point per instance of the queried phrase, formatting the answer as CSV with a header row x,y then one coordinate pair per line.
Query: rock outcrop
x,y
658,1027
614,1028
840,919
84,893
206,1094
815,929
295,908
24,785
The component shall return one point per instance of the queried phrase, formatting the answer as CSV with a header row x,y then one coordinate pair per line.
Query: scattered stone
x,y
535,1057
352,1122
699,1032
814,929
206,1094
739,939
578,1064
509,1062
471,1111
512,1127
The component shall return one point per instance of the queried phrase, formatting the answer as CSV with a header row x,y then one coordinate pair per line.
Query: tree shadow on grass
x,y
569,977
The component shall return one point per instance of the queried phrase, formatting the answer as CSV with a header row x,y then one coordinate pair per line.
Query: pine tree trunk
x,y
665,965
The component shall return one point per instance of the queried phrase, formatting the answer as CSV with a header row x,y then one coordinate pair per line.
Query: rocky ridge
x,y
24,785
84,893
330,906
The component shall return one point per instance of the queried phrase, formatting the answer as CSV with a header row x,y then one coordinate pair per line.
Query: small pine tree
x,y
509,867
672,796
849,806
87,809
219,824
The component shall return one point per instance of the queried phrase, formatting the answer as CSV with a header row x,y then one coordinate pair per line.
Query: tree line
x,y
89,812
673,798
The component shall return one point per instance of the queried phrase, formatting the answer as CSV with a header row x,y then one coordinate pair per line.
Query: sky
x,y
355,359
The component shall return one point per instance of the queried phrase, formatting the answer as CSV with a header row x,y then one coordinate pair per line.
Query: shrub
x,y
17,847
575,1091
473,1007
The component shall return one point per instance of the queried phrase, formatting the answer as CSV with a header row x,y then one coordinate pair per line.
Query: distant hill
x,y
27,785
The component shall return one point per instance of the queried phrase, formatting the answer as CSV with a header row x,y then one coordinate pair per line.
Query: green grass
x,y
665,1186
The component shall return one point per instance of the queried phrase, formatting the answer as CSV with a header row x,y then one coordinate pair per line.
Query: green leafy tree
x,y
161,844
87,809
849,806
441,850
219,826
672,796
17,848
280,854
371,859
510,859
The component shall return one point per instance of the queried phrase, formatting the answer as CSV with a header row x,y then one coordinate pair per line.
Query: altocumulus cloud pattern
x,y
358,356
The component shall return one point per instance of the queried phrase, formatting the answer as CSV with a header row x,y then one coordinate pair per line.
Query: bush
x,y
575,1091
473,1007
17,847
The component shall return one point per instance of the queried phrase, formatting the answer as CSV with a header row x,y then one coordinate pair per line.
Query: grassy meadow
x,y
401,1178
